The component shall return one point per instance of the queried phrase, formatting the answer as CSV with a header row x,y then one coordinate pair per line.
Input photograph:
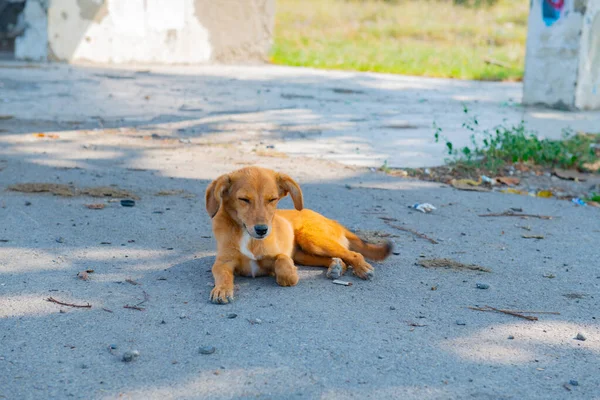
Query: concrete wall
x,y
152,31
562,66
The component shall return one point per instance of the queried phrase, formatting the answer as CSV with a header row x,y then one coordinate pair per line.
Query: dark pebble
x,y
482,286
511,337
27,203
392,308
207,349
580,336
231,315
574,382
130,356
60,239
459,322
113,347
128,203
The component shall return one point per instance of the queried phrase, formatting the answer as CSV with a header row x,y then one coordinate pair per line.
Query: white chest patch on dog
x,y
244,242
254,267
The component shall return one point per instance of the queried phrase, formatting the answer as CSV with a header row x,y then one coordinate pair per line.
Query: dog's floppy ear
x,y
288,185
214,194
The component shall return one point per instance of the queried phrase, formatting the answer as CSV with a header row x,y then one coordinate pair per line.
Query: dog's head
x,y
250,196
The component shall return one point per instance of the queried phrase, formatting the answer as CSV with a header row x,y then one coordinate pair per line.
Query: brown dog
x,y
254,238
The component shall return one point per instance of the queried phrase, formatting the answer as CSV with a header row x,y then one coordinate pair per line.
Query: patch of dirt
x,y
58,189
520,178
451,264
373,236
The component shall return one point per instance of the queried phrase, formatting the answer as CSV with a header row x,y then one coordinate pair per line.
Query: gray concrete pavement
x,y
353,118
393,337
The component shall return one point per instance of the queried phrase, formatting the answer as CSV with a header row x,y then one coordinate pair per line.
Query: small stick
x,y
514,214
137,306
53,300
401,228
536,312
134,307
488,308
107,310
497,63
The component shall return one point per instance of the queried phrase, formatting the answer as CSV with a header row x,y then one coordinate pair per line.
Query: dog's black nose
x,y
261,230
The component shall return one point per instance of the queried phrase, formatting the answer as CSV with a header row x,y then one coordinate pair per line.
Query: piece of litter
x,y
423,207
545,194
487,179
339,282
578,202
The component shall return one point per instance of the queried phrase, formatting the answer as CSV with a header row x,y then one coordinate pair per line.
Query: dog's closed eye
x,y
245,200
274,199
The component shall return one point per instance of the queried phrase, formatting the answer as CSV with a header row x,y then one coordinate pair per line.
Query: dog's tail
x,y
376,252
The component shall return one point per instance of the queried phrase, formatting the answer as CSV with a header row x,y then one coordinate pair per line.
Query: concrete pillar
x,y
562,66
150,31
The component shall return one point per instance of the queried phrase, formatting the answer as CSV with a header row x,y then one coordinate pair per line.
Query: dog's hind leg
x,y
335,266
327,247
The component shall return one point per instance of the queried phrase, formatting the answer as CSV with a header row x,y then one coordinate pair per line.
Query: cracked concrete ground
x,y
406,334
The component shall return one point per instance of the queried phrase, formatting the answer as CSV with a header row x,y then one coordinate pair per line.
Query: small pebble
x,y
580,336
84,366
207,350
130,356
511,337
60,239
348,187
128,203
573,382
392,308
482,286
254,321
231,315
459,322
27,203
113,347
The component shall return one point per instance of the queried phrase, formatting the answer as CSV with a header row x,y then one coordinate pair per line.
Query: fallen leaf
x,y
593,204
508,180
99,206
514,191
468,184
545,194
570,174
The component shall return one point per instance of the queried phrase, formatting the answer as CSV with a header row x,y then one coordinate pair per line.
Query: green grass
x,y
415,37
493,150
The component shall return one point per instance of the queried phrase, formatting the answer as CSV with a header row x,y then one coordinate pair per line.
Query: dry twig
x,y
401,228
514,214
53,300
137,306
509,312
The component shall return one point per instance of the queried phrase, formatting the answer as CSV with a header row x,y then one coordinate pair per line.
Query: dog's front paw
x,y
287,279
221,294
364,271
